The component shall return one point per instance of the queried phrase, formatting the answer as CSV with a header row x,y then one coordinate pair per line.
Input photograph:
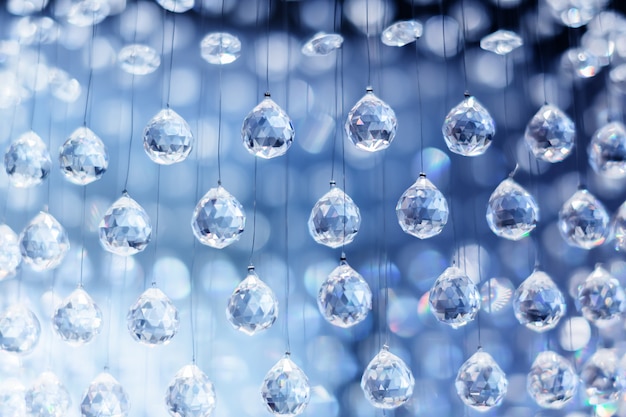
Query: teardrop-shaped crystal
x,y
83,158
454,298
468,129
285,389
371,123
344,299
322,44
190,394
267,131
48,397
512,212
125,228
220,48
335,219
105,397
27,161
387,382
218,219
44,242
583,221
602,377
422,209
538,303
552,381
167,138
619,227
252,307
10,254
153,318
78,319
138,59
480,382
607,151
19,329
601,298
550,134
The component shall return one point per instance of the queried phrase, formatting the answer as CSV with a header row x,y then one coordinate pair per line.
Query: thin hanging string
x,y
32,115
219,124
191,304
90,77
607,79
156,226
445,55
384,260
169,70
480,279
82,236
267,49
109,302
510,147
420,113
132,104
287,280
579,121
542,65
254,210
463,35
367,43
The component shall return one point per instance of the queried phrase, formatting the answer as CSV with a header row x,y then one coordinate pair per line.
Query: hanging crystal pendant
x,y
512,212
603,377
105,397
218,219
190,394
550,134
153,319
422,209
344,299
44,242
83,13
322,44
10,254
501,42
83,158
285,389
371,123
176,6
583,221
538,303
138,59
335,219
552,381
402,33
78,319
454,298
252,307
125,228
267,131
480,383
167,138
220,48
468,128
607,151
601,298
19,330
48,397
387,382
27,161
618,226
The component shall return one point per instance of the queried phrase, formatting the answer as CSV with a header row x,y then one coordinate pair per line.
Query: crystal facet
x,y
252,307
77,320
538,303
607,151
454,298
125,228
552,381
220,48
618,226
167,138
153,318
468,128
285,389
176,6
583,221
47,397
575,13
19,329
138,59
512,212
422,209
371,123
190,394
105,397
402,33
27,161
267,131
480,383
322,44
10,254
218,219
84,13
387,382
550,134
603,377
601,298
335,219
44,242
501,42
83,158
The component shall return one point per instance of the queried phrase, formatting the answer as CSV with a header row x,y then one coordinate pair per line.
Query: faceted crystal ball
x,y
335,219
387,382
422,209
512,212
583,221
501,42
138,59
344,299
48,397
105,397
252,307
44,243
78,319
371,123
85,13
27,161
10,254
480,383
550,134
603,377
167,138
552,381
83,158
607,151
468,129
285,389
176,6
190,394
538,303
601,298
267,131
125,228
402,33
220,48
19,330
454,298
153,319
322,44
218,219
618,226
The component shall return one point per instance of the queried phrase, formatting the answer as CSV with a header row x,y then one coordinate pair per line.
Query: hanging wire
x,y
156,225
90,77
132,101
463,35
367,43
254,210
82,235
337,115
580,122
169,70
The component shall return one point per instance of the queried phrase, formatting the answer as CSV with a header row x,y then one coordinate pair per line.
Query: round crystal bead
x,y
371,123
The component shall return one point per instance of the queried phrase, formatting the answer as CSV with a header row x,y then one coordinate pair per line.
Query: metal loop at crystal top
x,y
19,330
153,318
387,382
583,221
538,303
422,210
252,307
468,129
27,161
371,124
607,151
480,382
285,389
167,138
83,158
190,393
454,298
125,228
512,212
267,131
335,219
44,242
218,219
550,134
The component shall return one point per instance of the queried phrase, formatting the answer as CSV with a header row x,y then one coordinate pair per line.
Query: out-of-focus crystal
x,y
575,13
550,134
83,158
167,138
62,86
19,330
607,151
10,254
285,389
402,33
220,48
601,298
580,63
27,161
468,129
618,226
618,78
78,319
47,397
501,42
512,212
335,219
105,397
538,302
138,59
267,131
44,242
218,219
12,402
552,381
176,6
422,209
84,13
454,298
125,228
583,221
322,44
26,7
252,307
387,382
153,318
190,393
371,124
603,377
36,30
480,383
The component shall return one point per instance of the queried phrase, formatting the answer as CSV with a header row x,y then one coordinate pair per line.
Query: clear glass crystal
x,y
512,212
335,219
125,228
468,128
496,294
603,377
26,7
105,397
190,393
36,30
322,44
618,226
62,86
552,381
19,330
501,42
371,123
285,389
44,242
575,13
27,161
607,151
422,209
267,131
78,319
402,33
550,134
581,63
538,303
48,397
601,298
10,254
252,307
12,402
138,59
454,298
220,48
83,158
153,318
84,13
583,221
176,6
480,383
618,78
167,138
387,382
218,219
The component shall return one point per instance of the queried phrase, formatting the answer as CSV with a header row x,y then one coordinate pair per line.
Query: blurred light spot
x,y
474,260
316,273
172,277
436,165
496,295
425,267
402,316
369,14
434,36
574,333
